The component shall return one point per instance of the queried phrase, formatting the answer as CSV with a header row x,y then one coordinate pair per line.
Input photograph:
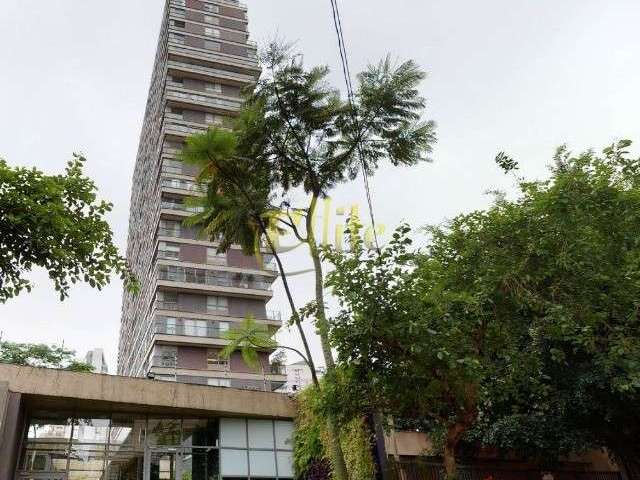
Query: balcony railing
x,y
181,207
210,278
165,328
273,315
225,103
182,185
178,233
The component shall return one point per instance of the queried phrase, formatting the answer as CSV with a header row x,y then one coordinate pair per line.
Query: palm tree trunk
x,y
337,455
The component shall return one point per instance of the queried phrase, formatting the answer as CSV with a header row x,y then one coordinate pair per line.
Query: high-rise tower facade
x,y
174,328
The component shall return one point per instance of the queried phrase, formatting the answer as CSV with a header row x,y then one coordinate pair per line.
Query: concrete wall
x,y
80,389
11,425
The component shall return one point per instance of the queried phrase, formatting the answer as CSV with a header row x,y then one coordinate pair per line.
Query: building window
x,y
212,32
208,7
212,20
215,258
213,87
223,326
212,119
217,305
168,251
172,166
178,23
167,300
195,328
215,362
209,45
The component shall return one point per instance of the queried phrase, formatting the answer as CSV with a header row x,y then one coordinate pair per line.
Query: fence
x,y
434,471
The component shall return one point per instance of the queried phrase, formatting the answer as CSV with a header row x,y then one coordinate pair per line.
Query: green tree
x,y
56,223
40,355
416,333
517,325
298,134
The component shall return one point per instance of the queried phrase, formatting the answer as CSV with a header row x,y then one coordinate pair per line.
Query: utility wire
x,y
344,59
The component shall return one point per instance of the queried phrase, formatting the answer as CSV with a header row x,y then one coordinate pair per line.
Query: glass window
x,y
214,361
125,466
260,434
91,430
233,432
200,432
217,304
195,328
211,8
212,20
45,460
50,427
87,457
209,45
285,464
284,435
85,475
262,464
233,463
224,326
164,431
212,32
128,431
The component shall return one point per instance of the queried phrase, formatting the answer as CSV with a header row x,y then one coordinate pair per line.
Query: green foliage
x,y
40,355
521,321
55,222
311,436
249,338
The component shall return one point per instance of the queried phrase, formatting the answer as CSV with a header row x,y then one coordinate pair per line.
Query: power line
x,y
344,59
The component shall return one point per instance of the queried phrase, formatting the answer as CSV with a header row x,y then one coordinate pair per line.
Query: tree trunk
x,y
322,325
294,310
454,434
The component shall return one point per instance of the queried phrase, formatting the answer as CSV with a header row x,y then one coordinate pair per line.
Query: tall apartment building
x,y
174,328
96,359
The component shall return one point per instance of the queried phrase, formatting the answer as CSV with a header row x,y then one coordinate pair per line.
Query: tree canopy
x,y
41,355
518,325
55,222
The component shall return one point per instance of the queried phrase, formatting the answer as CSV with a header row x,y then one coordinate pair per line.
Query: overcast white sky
x,y
517,75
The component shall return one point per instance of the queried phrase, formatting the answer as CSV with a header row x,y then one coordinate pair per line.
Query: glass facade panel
x,y
50,427
284,435
233,432
262,463
164,431
199,464
285,464
91,430
86,475
125,466
233,463
87,457
44,460
96,447
200,432
260,434
128,431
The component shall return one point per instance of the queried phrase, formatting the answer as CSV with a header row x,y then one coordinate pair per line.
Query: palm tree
x,y
251,338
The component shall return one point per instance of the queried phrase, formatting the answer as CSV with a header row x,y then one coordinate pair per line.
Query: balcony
x,y
188,328
180,207
185,185
271,315
228,104
212,278
209,72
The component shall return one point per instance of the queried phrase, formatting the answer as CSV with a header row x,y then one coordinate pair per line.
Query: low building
x,y
298,377
59,425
